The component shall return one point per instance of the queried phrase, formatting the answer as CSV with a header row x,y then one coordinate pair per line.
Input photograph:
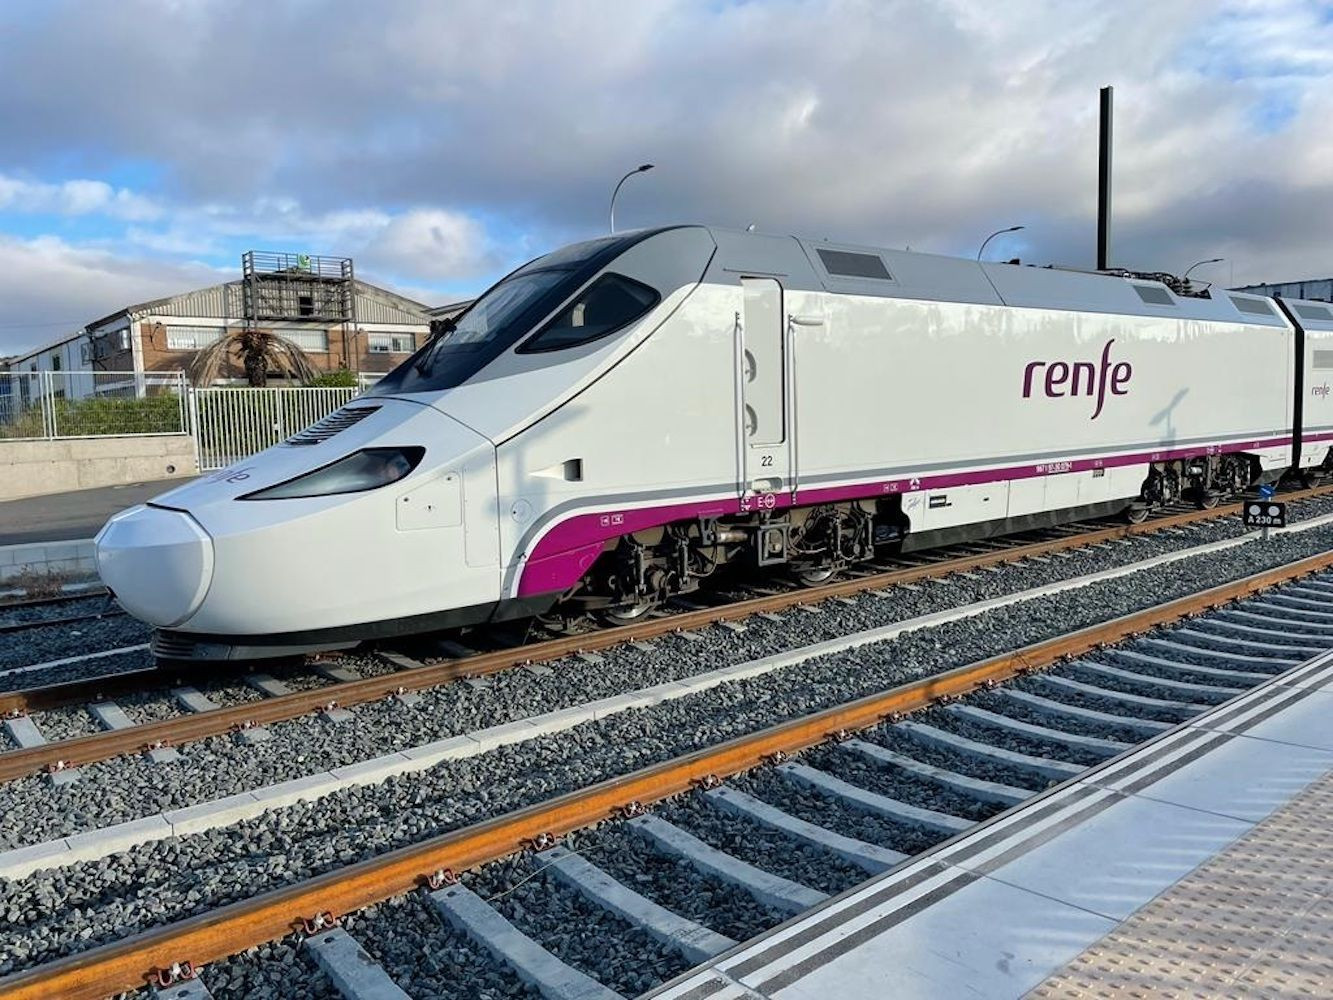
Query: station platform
x,y
51,536
1198,864
78,514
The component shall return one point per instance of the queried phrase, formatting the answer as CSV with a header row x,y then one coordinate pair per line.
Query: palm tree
x,y
259,351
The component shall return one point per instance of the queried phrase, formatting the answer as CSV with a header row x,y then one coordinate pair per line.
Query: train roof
x,y
854,269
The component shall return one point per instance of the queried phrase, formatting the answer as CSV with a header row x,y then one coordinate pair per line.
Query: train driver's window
x,y
608,304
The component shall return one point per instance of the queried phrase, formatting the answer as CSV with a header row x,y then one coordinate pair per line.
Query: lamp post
x,y
1210,260
998,232
642,168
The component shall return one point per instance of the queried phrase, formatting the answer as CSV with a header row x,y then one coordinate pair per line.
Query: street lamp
x,y
998,232
642,168
1211,260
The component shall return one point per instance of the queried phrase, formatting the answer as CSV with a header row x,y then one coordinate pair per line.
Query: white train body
x,y
613,420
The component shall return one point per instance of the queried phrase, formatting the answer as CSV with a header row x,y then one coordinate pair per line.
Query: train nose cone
x,y
158,562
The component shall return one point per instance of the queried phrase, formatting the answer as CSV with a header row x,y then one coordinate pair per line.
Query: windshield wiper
x,y
440,330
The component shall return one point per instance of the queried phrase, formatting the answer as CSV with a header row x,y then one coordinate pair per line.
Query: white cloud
x,y
74,198
465,138
430,244
51,288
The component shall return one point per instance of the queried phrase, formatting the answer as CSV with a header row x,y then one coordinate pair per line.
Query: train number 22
x,y
766,461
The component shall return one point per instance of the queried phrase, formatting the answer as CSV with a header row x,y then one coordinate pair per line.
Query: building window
x,y
305,305
392,343
314,341
192,338
55,362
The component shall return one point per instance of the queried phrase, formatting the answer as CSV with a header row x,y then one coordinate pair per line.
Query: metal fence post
x,y
47,388
194,428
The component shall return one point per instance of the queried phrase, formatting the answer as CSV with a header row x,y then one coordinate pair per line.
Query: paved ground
x,y
1255,921
79,514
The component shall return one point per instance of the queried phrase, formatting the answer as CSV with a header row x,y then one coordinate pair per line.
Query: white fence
x,y
232,424
75,404
228,424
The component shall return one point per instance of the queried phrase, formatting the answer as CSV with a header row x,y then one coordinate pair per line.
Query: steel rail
x,y
9,628
37,602
101,746
207,937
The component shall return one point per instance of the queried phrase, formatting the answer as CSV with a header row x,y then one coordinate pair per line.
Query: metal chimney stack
x,y
1104,182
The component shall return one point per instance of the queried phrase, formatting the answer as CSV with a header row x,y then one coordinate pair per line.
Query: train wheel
x,y
1207,499
1137,513
627,614
815,577
558,623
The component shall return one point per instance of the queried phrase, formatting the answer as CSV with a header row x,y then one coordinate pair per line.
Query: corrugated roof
x,y
452,309
373,305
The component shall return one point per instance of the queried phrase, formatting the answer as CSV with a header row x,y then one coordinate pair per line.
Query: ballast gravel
x,y
280,970
969,765
67,724
96,901
1185,652
999,736
1278,645
621,956
116,663
13,614
220,766
762,846
1083,672
1099,703
40,645
1178,670
1023,712
815,807
428,959
674,883
897,784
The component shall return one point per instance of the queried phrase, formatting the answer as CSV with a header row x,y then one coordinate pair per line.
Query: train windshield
x,y
504,315
493,313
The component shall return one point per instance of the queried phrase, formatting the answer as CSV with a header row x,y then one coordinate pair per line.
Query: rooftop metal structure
x,y
297,287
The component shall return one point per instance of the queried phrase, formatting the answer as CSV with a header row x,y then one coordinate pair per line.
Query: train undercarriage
x,y
812,544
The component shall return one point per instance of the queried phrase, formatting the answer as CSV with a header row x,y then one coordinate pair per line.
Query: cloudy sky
x,y
147,143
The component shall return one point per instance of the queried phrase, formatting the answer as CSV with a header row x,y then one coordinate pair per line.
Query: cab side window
x,y
609,303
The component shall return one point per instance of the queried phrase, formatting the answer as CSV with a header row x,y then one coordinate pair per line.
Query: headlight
x,y
368,469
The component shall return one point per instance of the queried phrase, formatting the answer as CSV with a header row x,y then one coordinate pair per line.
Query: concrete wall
x,y
33,468
70,560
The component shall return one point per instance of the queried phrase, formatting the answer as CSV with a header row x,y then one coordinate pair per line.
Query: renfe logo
x,y
1080,378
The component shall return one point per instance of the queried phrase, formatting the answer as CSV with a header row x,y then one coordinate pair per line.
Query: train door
x,y
765,431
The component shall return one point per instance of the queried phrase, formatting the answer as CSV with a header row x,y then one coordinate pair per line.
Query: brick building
x,y
340,322
164,334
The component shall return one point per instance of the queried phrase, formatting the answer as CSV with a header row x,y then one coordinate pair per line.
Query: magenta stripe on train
x,y
566,552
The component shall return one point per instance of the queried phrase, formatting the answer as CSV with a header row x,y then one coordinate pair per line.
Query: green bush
x,y
341,378
100,415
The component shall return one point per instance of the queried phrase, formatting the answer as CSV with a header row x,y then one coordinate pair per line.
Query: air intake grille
x,y
335,422
173,646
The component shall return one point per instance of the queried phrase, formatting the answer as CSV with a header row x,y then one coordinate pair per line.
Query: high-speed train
x,y
614,421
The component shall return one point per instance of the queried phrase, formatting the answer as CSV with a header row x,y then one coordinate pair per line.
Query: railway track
x,y
12,628
329,687
38,606
850,791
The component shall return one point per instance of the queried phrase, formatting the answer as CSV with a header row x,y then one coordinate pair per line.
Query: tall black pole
x,y
1104,183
